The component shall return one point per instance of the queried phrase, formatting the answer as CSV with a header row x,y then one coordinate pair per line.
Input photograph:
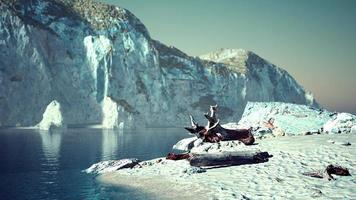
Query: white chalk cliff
x,y
100,64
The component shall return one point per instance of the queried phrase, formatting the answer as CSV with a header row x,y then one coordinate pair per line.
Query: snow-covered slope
x,y
98,61
278,119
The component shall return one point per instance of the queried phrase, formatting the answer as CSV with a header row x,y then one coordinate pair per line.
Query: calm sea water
x,y
47,165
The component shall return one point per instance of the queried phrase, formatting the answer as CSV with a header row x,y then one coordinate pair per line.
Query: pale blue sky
x,y
314,40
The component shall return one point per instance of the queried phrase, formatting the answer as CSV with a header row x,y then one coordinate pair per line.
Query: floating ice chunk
x,y
52,117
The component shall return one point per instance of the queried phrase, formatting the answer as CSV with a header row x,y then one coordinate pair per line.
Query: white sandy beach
x,y
279,178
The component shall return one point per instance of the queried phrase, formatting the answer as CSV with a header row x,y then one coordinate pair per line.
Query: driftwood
x,y
214,132
222,159
327,173
173,156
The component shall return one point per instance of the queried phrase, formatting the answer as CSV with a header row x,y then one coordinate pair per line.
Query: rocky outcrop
x,y
187,144
52,117
200,147
111,166
353,129
278,119
86,54
340,123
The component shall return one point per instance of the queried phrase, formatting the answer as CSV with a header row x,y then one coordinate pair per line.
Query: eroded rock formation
x,y
82,52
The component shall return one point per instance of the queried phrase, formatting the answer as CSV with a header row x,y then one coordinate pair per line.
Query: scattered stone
x,y
316,192
186,144
312,132
279,180
331,141
267,136
245,197
278,132
111,165
194,170
262,132
344,143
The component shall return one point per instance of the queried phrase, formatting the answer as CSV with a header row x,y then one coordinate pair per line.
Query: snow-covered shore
x,y
279,178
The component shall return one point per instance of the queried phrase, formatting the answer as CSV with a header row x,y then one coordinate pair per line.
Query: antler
x,y
212,117
213,111
213,122
193,122
213,126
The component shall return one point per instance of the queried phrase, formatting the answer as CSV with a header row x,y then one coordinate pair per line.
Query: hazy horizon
x,y
315,41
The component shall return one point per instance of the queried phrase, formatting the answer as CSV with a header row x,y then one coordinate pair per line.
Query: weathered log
x,y
229,158
327,173
222,159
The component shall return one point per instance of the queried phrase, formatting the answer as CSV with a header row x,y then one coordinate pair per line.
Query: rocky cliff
x,y
99,63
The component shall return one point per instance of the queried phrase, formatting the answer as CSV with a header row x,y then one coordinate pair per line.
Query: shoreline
x,y
154,187
280,177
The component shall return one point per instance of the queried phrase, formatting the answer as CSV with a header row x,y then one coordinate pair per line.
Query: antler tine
x,y
214,106
210,119
192,122
213,126
213,111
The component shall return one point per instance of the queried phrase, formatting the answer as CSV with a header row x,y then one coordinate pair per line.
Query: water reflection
x,y
47,165
110,139
143,144
51,145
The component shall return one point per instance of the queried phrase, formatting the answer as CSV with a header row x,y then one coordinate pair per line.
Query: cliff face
x,y
100,64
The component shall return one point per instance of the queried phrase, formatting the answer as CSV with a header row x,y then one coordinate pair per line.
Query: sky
x,y
314,40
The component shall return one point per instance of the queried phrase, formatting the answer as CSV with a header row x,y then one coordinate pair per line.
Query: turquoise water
x,y
47,165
